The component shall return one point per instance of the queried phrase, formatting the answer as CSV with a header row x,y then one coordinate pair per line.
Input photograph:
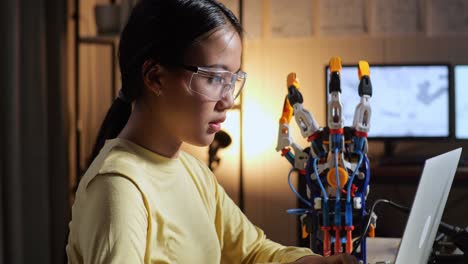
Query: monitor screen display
x,y
408,101
461,101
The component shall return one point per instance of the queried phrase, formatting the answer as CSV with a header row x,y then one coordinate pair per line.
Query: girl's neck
x,y
150,134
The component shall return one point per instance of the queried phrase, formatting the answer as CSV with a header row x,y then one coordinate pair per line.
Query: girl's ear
x,y
152,76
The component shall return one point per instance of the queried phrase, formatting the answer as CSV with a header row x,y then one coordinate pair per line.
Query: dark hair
x,y
160,30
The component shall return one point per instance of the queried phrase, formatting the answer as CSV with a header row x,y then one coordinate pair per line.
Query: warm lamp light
x,y
260,128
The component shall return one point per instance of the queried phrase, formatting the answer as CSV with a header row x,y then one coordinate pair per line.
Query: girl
x,y
143,200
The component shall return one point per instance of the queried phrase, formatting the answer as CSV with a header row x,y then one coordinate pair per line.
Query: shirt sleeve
x,y
243,242
114,222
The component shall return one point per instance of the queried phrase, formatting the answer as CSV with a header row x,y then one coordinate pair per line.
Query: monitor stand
x,y
388,157
389,149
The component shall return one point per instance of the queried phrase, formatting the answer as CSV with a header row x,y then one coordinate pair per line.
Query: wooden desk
x,y
382,249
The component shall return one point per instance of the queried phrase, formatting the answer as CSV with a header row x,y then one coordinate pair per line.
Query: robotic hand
x,y
336,168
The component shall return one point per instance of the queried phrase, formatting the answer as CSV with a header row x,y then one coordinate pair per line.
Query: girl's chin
x,y
203,140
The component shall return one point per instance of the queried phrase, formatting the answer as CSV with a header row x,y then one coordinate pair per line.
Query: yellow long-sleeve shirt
x,y
135,206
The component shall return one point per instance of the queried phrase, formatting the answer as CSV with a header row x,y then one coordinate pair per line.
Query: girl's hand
x,y
335,259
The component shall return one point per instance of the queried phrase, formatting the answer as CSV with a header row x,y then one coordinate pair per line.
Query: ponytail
x,y
115,120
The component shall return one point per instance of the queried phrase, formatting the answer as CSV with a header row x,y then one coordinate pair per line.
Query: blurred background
x,y
59,75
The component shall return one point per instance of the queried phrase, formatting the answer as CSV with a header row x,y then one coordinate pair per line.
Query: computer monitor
x,y
461,101
408,101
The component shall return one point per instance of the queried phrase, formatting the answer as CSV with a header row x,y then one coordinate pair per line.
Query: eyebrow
x,y
220,66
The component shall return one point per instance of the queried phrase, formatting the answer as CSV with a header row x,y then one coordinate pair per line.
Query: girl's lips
x,y
214,127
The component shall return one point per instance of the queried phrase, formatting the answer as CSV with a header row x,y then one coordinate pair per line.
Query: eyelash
x,y
218,79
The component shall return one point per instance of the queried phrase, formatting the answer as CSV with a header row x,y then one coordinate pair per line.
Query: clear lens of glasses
x,y
217,84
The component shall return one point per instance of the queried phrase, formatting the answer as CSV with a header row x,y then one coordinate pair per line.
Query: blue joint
x,y
348,214
325,211
290,157
336,141
367,172
309,172
338,189
337,213
318,144
358,143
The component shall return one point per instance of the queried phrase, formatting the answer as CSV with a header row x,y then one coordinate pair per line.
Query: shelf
x,y
409,174
110,41
105,39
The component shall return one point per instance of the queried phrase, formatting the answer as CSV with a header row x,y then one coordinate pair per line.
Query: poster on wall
x,y
342,17
447,17
395,17
291,20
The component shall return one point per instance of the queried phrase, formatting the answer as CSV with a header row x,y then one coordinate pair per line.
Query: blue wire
x,y
350,183
337,175
297,211
366,181
337,219
324,192
308,173
325,197
295,192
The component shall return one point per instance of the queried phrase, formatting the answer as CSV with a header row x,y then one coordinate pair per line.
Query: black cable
x,y
398,206
460,235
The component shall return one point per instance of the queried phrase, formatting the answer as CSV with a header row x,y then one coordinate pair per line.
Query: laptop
x,y
426,213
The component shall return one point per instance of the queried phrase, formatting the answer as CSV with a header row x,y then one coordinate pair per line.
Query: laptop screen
x,y
428,207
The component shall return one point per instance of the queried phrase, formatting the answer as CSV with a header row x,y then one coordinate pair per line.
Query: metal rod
x,y
77,94
113,88
241,121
